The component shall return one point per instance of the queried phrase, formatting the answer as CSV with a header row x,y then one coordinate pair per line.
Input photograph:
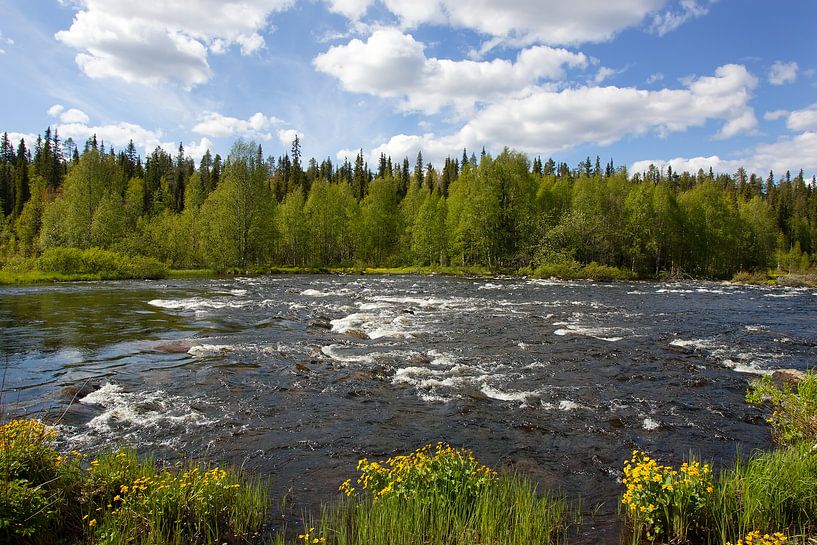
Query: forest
x,y
248,212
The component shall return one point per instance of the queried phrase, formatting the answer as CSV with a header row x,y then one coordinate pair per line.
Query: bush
x,y
754,278
102,263
662,502
794,411
46,497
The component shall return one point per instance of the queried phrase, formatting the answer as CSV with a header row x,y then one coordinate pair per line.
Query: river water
x,y
299,376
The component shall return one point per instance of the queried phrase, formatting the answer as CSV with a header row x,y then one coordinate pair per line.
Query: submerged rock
x,y
357,333
321,322
173,347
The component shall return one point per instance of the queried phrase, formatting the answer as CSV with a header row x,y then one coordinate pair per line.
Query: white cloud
x,y
74,116
55,110
216,125
197,149
669,20
744,123
393,64
783,72
287,136
352,9
545,121
803,120
775,115
524,21
15,137
155,41
691,165
655,78
603,74
786,154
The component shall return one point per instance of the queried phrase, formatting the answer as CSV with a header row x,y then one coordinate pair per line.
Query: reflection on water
x,y
300,376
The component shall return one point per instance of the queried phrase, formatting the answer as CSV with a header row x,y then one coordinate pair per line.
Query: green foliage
x,y
46,497
430,470
440,495
103,263
794,409
771,492
662,502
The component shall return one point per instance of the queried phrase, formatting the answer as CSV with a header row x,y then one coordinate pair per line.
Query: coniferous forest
x,y
248,212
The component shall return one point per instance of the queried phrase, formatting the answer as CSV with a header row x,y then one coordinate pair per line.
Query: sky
x,y
686,83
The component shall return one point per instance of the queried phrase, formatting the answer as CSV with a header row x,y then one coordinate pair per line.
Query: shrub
x,y
102,263
46,497
794,410
663,502
433,469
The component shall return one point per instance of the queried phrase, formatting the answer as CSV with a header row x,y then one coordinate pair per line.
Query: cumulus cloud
x,y
783,72
786,154
803,120
217,125
545,121
393,64
553,22
155,41
287,136
669,20
70,116
55,110
352,9
76,124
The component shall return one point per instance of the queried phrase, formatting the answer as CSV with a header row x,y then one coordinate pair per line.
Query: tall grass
x,y
770,493
440,495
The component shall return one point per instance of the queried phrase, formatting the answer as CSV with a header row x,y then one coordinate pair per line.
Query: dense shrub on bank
x,y
47,497
106,264
573,270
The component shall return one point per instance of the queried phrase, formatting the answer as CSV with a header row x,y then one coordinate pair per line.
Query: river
x,y
296,377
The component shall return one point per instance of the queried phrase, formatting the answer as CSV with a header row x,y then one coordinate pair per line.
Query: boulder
x,y
790,377
173,347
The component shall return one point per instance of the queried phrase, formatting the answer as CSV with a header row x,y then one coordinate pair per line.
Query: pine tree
x,y
21,183
418,169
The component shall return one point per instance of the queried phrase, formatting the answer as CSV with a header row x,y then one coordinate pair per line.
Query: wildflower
x,y
92,523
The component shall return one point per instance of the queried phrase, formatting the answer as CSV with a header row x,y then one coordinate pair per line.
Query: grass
x,y
767,499
48,497
440,495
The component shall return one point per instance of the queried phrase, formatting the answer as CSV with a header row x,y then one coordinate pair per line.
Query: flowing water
x,y
297,377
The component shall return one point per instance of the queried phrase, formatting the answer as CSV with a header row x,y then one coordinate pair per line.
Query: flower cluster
x,y
310,537
754,538
438,468
27,431
659,498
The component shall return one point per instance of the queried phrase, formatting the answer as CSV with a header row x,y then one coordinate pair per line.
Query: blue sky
x,y
690,83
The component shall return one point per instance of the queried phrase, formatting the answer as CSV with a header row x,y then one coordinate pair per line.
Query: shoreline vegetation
x,y
436,494
74,265
71,212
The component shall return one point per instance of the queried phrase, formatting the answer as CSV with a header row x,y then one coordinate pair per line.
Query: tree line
x,y
251,212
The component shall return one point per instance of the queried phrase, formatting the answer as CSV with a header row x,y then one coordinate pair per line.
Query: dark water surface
x,y
300,376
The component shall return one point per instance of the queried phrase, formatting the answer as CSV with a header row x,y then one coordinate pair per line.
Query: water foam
x,y
200,350
134,411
